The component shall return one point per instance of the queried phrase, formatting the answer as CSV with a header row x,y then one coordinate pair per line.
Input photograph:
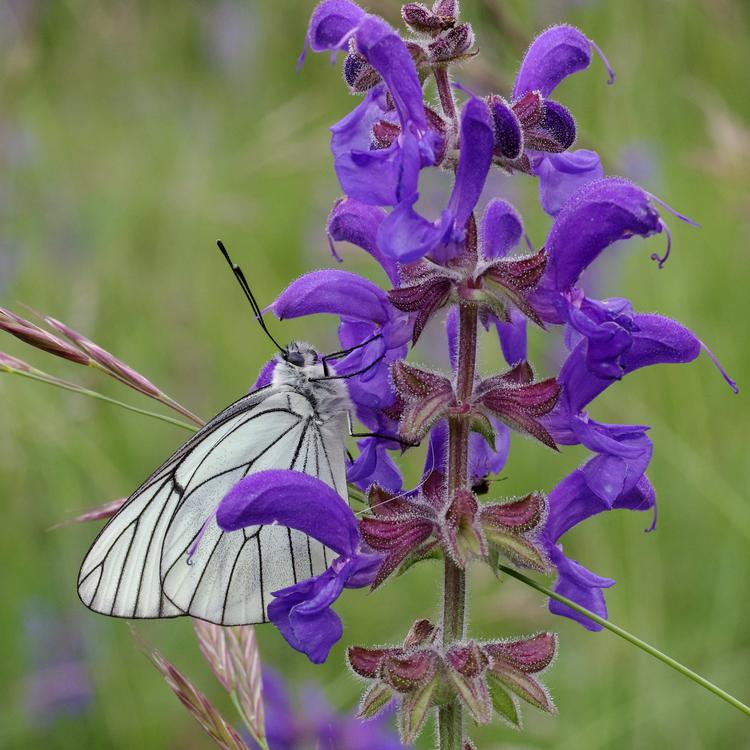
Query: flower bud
x,y
422,20
452,44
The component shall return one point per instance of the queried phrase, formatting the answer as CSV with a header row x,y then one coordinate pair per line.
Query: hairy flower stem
x,y
445,93
454,594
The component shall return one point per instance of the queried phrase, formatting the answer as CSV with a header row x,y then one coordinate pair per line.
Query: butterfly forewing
x,y
163,554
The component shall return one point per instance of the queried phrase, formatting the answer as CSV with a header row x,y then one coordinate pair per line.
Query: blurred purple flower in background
x,y
58,682
312,723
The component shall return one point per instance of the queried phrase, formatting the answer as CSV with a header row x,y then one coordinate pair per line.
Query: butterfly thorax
x,y
302,372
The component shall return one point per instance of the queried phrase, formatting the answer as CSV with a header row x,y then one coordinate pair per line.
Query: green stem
x,y
617,630
93,394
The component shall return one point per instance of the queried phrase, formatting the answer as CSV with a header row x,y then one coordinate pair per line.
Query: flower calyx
x,y
519,401
427,397
511,527
507,281
401,529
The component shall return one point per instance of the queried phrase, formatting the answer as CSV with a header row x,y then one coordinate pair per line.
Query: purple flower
x,y
365,312
314,724
407,236
298,501
598,215
532,130
384,175
571,503
615,476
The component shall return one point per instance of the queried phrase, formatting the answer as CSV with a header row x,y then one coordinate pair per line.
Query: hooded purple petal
x,y
501,229
332,23
385,51
560,175
477,141
597,215
335,292
656,340
291,499
358,223
555,54
571,503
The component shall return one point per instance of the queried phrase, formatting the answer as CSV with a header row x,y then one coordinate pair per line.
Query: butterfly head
x,y
300,354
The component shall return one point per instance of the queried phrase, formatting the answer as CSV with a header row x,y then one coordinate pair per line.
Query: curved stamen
x,y
732,384
661,260
603,57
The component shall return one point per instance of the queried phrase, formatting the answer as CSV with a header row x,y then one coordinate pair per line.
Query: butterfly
x,y
163,554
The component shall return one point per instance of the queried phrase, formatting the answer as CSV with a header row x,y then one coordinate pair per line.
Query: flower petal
x,y
335,292
291,499
501,229
303,615
598,214
560,175
656,340
386,52
332,23
374,466
358,223
477,142
555,54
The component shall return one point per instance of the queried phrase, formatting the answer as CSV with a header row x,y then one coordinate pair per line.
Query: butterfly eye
x,y
295,358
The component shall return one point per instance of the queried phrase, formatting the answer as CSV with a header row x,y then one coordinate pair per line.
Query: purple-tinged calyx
x,y
423,20
399,529
511,528
520,402
427,398
486,677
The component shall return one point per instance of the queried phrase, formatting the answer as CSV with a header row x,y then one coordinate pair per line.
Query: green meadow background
x,y
134,133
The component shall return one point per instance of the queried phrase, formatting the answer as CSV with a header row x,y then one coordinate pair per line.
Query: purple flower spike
x,y
298,501
554,55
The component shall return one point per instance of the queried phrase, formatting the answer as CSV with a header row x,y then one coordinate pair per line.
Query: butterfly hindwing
x,y
138,565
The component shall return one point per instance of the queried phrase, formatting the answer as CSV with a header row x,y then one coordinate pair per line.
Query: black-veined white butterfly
x,y
163,554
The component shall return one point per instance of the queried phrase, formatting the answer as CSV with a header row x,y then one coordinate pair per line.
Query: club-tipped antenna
x,y
237,271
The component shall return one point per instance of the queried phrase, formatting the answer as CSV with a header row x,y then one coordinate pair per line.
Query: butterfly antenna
x,y
240,276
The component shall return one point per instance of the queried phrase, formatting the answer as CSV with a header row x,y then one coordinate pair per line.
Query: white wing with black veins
x,y
163,555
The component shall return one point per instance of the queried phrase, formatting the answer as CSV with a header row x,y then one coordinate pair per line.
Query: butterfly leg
x,y
403,443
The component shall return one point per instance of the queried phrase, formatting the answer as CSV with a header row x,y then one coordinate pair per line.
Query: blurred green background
x,y
132,134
